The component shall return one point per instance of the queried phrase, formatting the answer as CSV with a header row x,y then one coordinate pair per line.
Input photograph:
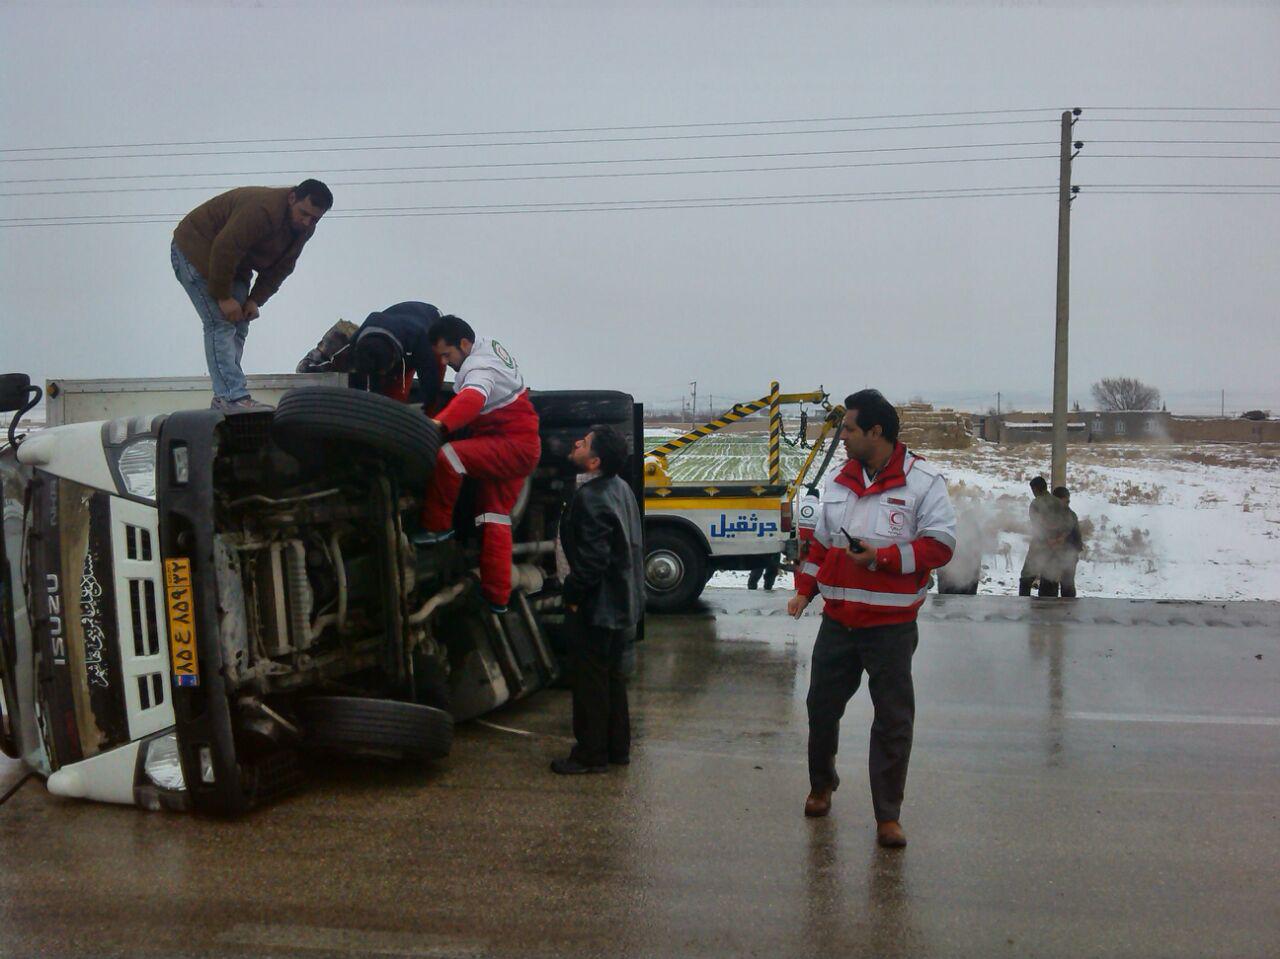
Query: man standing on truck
x,y
500,451
885,521
603,545
216,250
392,346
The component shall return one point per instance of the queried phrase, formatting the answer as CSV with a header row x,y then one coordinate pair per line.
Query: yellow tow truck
x,y
694,529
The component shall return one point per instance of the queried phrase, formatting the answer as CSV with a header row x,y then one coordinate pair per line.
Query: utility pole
x,y
1224,404
997,403
1065,192
693,418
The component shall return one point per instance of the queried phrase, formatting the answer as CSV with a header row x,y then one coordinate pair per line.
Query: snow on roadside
x,y
1159,522
1198,522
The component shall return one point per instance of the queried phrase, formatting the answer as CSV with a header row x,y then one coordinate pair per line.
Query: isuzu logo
x,y
53,597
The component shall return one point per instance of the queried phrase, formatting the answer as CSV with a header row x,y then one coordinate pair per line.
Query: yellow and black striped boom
x,y
740,411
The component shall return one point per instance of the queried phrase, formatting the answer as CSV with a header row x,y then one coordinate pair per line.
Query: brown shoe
x,y
818,804
890,835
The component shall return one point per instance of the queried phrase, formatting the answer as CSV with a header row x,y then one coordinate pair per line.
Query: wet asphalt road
x,y
1097,778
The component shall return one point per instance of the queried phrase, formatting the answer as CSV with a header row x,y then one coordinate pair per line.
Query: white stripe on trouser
x,y
849,595
908,555
454,459
809,569
498,519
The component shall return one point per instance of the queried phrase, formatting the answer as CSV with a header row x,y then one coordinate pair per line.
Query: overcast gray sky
x,y
951,299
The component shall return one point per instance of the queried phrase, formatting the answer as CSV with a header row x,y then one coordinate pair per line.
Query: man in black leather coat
x,y
603,545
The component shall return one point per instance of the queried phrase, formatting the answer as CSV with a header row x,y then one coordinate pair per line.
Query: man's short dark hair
x,y
1040,485
375,352
874,410
452,329
610,446
1061,492
318,193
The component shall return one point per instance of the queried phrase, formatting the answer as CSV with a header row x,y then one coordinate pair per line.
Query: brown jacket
x,y
238,233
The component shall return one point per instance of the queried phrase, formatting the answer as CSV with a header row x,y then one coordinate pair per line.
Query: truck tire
x,y
333,420
583,408
675,569
355,726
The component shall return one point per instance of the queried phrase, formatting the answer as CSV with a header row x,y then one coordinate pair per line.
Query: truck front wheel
x,y
675,570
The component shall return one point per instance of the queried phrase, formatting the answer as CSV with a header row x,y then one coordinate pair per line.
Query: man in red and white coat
x,y
500,451
884,523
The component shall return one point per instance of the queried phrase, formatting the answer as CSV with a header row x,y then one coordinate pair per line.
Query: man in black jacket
x,y
391,346
604,598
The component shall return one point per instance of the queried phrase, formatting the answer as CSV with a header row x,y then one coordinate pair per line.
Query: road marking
x,y
1175,718
504,729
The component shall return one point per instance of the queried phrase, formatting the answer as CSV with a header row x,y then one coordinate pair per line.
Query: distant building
x,y
1083,426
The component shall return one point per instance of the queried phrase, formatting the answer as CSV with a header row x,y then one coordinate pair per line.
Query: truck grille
x,y
151,690
142,608
247,431
137,543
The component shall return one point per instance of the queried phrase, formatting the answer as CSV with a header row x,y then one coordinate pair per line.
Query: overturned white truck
x,y
192,601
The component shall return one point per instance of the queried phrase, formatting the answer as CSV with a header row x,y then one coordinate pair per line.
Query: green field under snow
x,y
727,458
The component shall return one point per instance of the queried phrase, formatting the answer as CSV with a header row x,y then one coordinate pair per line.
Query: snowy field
x,y
1159,522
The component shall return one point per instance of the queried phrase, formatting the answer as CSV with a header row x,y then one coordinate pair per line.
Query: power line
x,y
537,163
1181,193
669,159
546,177
1200,141
713,203
566,203
1215,186
509,143
1186,120
564,163
1182,156
621,128
1194,109
542,132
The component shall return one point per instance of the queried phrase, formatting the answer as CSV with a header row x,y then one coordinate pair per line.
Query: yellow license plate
x,y
182,622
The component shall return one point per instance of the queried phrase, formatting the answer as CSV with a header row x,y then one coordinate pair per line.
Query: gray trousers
x,y
840,656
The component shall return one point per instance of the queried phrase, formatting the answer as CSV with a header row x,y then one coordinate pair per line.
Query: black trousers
x,y
840,656
770,572
601,717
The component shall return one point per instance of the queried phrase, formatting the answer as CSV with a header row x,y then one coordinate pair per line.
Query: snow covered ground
x,y
1160,522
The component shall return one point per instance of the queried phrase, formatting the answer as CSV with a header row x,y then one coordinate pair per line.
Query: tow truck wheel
x,y
383,728
333,420
675,570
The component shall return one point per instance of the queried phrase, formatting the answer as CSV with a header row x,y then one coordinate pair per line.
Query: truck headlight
x,y
137,465
161,764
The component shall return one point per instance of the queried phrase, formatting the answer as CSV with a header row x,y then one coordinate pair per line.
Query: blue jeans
x,y
223,341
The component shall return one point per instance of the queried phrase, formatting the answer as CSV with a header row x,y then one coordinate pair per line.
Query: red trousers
x,y
500,463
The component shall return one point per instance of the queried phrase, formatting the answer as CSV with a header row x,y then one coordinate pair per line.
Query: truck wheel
x,y
333,420
675,570
376,727
583,408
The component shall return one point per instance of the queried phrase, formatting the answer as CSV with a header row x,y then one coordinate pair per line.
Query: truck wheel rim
x,y
663,570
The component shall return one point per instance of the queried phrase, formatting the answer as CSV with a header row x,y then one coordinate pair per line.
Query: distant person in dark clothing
x,y
767,569
392,346
1040,515
1065,546
604,598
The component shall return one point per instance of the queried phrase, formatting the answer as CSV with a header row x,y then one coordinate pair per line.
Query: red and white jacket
x,y
904,513
489,393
